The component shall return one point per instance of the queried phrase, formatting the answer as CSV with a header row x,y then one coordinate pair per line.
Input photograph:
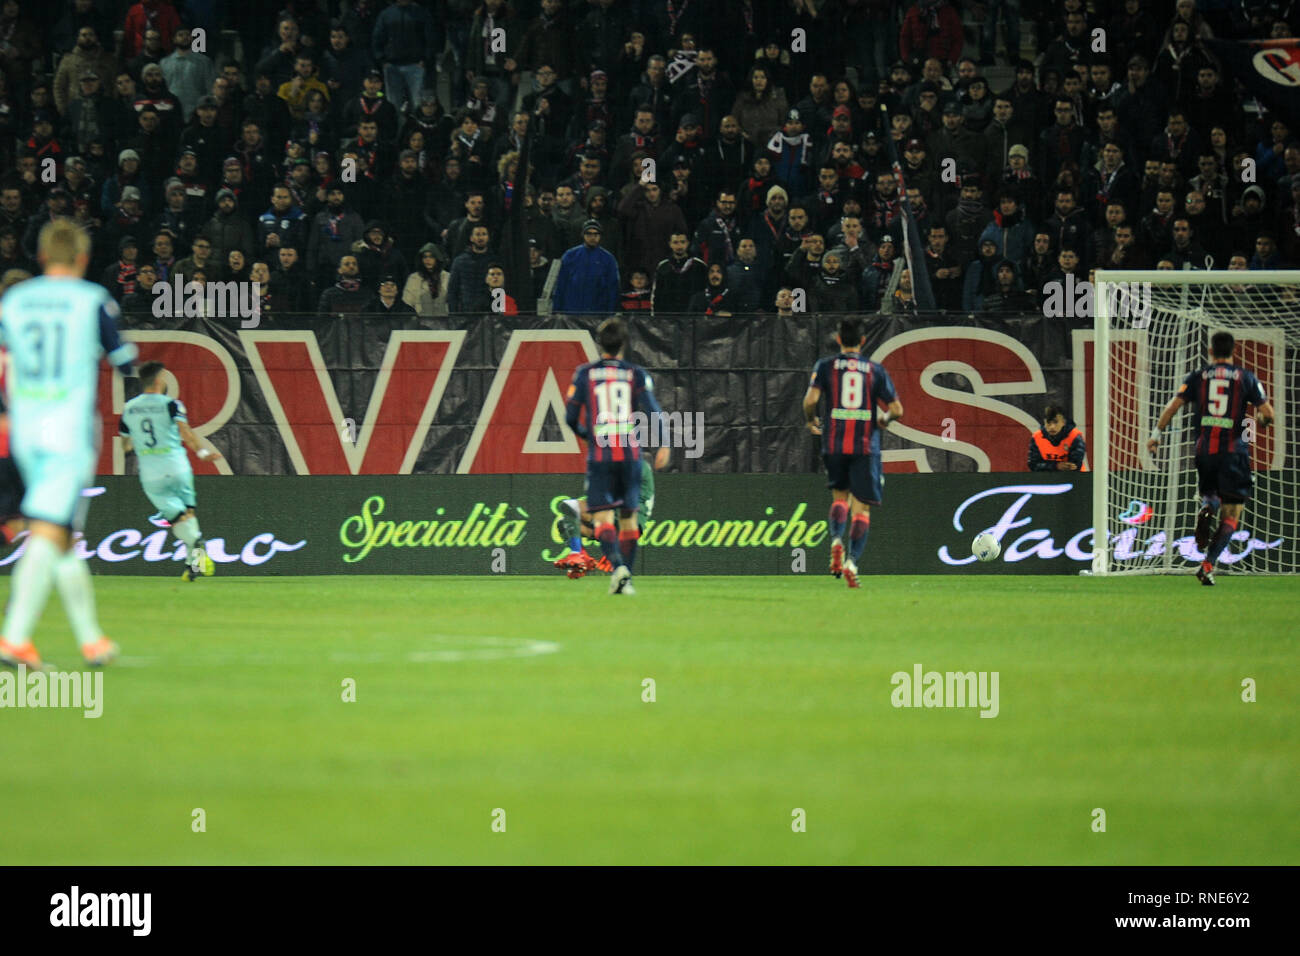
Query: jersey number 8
x,y
851,389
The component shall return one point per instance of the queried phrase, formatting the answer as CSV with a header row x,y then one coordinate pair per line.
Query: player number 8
x,y
851,390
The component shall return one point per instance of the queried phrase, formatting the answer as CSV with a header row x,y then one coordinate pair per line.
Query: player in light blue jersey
x,y
157,429
55,328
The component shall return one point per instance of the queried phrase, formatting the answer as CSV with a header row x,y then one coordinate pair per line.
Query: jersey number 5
x,y
1218,397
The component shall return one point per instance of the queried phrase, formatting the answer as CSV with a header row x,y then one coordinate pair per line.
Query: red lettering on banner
x,y
993,433
535,372
206,381
318,435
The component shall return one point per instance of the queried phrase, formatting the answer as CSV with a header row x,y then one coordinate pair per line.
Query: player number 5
x,y
1218,397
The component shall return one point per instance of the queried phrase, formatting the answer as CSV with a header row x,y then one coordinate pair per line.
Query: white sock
x,y
78,593
32,579
187,531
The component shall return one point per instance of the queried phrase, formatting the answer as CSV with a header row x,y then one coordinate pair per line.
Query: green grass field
x,y
771,694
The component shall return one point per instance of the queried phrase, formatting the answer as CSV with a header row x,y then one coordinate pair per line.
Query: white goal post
x,y
1151,330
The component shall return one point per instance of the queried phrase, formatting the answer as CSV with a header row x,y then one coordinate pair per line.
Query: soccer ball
x,y
985,547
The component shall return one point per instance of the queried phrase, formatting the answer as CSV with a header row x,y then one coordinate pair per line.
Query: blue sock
x,y
858,536
575,543
1227,527
608,538
627,547
839,518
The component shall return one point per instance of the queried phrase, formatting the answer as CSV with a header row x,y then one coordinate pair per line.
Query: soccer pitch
x,y
475,695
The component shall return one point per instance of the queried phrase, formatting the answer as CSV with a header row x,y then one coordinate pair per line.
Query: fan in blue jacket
x,y
1010,229
588,279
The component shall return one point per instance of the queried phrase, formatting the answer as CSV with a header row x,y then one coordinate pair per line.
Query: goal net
x,y
1152,330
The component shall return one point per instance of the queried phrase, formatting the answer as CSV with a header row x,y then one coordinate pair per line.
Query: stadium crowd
x,y
304,144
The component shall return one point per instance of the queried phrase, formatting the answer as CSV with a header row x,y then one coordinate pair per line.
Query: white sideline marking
x,y
472,648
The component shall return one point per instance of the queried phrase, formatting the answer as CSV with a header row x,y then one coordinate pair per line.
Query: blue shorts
x,y
172,494
1225,475
54,484
614,484
857,474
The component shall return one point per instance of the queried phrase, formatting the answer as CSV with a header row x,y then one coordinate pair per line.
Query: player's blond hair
x,y
63,242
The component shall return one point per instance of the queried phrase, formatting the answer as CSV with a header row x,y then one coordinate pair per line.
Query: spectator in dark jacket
x,y
1187,251
1060,142
1039,264
745,277
469,272
1068,224
588,279
678,277
1058,445
377,255
119,278
386,301
715,298
140,302
229,229
290,285
347,295
717,234
649,219
90,115
833,290
1007,296
403,41
405,196
283,224
333,232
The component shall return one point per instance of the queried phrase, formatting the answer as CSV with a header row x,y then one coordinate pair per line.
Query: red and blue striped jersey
x,y
1221,393
852,387
607,405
